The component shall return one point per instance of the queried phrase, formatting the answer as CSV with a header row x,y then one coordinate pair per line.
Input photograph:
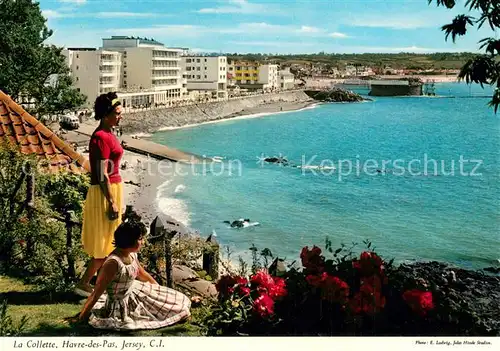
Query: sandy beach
x,y
254,112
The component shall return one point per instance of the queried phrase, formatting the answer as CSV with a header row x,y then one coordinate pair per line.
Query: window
x,y
188,60
77,67
77,79
198,77
188,68
77,56
205,76
205,60
198,60
197,68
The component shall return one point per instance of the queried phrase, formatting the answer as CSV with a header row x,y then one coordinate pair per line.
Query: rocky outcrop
x,y
334,95
153,120
466,302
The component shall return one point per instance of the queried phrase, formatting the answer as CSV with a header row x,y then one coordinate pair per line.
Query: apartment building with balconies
x,y
253,75
206,74
149,68
94,71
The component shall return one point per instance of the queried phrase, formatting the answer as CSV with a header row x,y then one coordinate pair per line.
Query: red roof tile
x,y
32,137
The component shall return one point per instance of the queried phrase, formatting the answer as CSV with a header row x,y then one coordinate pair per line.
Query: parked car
x,y
69,122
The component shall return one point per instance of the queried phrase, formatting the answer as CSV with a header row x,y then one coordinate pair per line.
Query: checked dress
x,y
131,304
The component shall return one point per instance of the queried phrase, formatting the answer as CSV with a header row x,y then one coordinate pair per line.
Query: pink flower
x,y
263,306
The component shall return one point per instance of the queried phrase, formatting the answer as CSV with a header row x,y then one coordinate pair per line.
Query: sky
x,y
265,26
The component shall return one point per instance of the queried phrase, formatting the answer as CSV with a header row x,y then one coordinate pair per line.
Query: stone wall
x,y
153,120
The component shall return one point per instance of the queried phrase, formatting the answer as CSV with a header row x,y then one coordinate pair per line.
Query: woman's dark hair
x,y
129,232
104,104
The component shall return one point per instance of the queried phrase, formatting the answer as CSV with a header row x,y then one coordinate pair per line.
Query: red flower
x,y
242,286
263,306
335,290
369,299
263,280
332,288
266,284
419,301
369,263
225,286
278,289
312,260
228,285
22,242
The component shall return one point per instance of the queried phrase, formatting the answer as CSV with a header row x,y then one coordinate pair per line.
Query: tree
x,y
484,68
32,72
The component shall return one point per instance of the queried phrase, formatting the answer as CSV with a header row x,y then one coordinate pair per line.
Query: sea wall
x,y
150,121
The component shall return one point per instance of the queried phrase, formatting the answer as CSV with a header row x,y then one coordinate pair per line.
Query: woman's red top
x,y
105,146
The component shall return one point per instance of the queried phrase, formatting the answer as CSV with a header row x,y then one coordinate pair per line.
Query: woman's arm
x,y
104,183
106,275
144,276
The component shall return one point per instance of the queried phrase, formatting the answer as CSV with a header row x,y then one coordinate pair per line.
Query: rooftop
x,y
32,137
141,40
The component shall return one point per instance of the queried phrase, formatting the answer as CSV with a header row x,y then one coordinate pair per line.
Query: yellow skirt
x,y
97,230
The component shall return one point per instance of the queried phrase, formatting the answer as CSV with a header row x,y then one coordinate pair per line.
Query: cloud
x,y
307,29
126,14
179,30
338,35
235,6
50,14
77,2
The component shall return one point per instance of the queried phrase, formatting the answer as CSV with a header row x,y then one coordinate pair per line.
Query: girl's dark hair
x,y
104,104
129,232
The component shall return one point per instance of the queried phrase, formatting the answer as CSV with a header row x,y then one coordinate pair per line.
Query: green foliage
x,y
33,240
7,325
66,191
31,71
485,68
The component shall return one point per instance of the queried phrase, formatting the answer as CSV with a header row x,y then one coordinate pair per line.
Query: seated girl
x,y
131,304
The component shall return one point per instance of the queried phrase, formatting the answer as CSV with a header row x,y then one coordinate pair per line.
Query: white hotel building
x,y
143,71
206,74
94,71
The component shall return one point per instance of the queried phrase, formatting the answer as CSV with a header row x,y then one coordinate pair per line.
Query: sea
x,y
418,177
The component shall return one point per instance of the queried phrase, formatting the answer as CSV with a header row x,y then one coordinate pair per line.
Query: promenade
x,y
141,146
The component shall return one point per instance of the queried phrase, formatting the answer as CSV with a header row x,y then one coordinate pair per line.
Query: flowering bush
x,y
344,295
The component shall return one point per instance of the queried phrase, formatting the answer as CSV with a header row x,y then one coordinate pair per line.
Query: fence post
x,y
168,259
30,204
69,245
211,258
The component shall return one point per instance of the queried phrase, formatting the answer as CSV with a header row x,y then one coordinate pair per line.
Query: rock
x,y
276,160
335,95
492,269
187,278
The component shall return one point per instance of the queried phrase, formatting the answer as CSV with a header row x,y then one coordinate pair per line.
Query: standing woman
x,y
103,205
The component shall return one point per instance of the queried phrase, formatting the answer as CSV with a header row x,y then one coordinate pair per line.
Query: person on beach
x,y
131,304
103,204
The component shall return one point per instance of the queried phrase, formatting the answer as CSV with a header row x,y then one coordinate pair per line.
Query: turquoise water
x,y
437,216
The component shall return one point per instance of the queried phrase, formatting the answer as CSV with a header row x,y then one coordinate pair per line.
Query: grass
x,y
46,313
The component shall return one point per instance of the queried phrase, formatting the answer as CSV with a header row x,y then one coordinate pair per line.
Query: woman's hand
x,y
113,212
76,319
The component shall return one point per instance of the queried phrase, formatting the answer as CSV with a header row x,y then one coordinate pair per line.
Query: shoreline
x,y
255,112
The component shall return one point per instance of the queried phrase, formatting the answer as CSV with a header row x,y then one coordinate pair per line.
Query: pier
x,y
141,146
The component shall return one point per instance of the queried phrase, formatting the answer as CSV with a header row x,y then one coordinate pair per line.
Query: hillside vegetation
x,y
396,61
